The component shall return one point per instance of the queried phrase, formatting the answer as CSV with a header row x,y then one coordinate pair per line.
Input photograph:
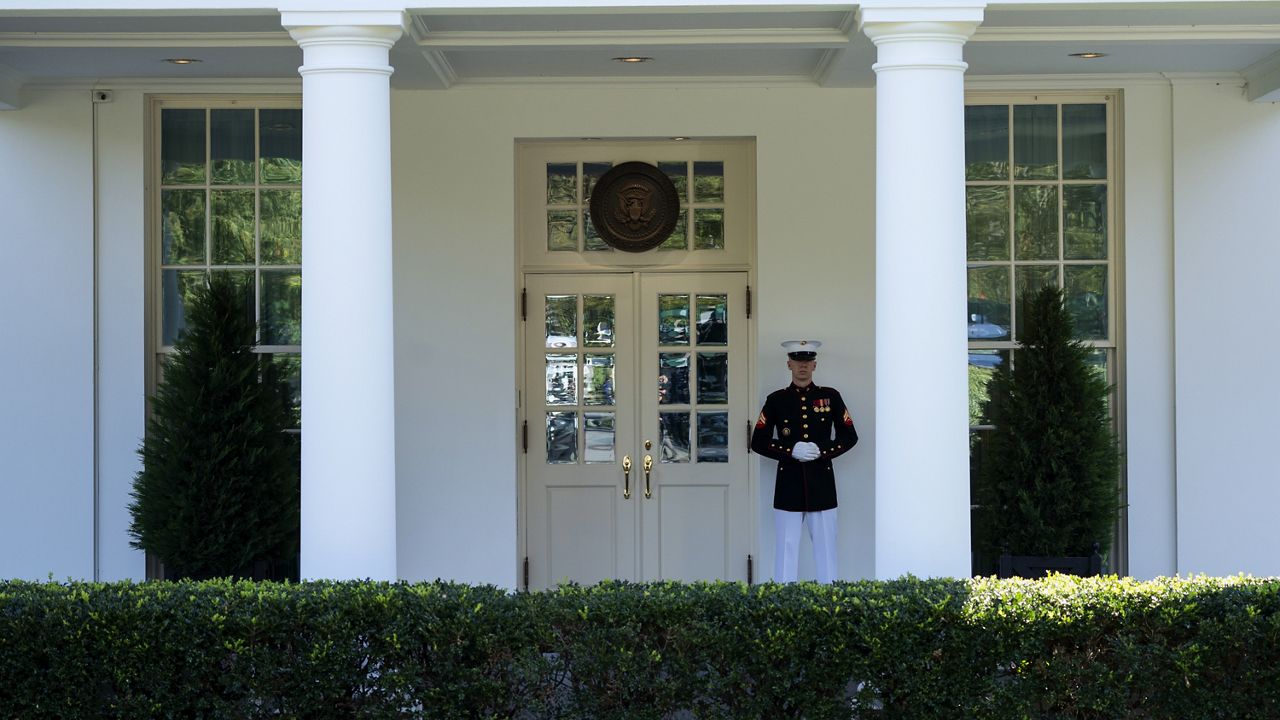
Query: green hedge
x,y
1059,648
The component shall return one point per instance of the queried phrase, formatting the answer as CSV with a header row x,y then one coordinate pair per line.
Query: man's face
x,y
801,370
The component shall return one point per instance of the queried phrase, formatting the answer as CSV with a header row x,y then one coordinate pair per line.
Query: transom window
x,y
229,200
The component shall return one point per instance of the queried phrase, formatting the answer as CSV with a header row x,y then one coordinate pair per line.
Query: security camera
x,y
102,96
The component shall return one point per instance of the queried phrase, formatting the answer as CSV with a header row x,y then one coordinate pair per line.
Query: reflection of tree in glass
x,y
1036,222
281,224
233,225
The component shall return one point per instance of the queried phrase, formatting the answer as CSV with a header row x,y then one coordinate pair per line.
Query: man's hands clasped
x,y
806,451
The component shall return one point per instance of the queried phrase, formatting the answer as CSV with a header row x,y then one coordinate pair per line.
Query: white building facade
x,y
455,425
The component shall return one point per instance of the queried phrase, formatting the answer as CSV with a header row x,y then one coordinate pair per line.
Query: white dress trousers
x,y
822,533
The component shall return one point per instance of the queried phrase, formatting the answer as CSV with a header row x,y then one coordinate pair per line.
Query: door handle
x,y
626,477
648,466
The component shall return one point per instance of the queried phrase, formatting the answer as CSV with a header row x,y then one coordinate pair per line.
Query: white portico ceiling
x,y
817,44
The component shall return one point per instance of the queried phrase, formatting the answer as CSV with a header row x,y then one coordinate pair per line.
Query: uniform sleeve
x,y
845,434
762,440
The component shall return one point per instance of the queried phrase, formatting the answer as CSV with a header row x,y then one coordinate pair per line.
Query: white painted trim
x,y
1032,83
441,66
176,85
1129,33
1263,79
146,39
639,82
1234,79
772,37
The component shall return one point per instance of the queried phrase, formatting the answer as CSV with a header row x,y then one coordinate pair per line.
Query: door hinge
x,y
526,573
751,566
524,304
750,430
524,436
748,302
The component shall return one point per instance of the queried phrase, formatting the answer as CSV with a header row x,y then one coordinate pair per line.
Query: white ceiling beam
x,y
11,82
146,39
811,38
1129,33
1262,79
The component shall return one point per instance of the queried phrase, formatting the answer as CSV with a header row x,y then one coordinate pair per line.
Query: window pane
x,y
673,378
1031,278
232,225
177,288
1084,222
231,146
987,222
289,366
708,182
1036,222
1084,141
591,174
986,142
591,239
281,307
712,317
562,438
679,238
562,183
713,437
1035,142
598,320
982,367
599,431
673,319
281,227
597,379
182,147
679,174
280,144
989,303
562,321
708,229
1086,299
562,230
182,234
673,429
713,377
562,379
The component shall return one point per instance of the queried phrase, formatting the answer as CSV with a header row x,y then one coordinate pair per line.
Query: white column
x,y
922,451
348,389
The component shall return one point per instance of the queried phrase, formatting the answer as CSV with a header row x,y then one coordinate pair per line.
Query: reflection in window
x,y
562,379
713,377
713,437
598,429
597,379
598,320
562,321
673,428
562,438
712,316
673,319
673,378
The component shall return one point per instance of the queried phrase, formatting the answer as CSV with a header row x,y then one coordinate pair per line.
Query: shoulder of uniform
x,y
777,394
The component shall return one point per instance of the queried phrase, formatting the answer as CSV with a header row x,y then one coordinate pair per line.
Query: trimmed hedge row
x,y
1059,648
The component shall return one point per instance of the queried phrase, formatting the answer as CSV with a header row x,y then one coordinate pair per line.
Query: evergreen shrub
x,y
218,492
1062,647
1048,481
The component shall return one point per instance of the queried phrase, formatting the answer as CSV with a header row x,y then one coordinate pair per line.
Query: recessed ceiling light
x,y
631,59
680,137
1087,55
181,61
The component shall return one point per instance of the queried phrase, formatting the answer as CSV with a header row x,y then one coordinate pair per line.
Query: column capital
x,y
890,20
344,41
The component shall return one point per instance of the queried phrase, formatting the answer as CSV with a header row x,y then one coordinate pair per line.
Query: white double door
x,y
637,403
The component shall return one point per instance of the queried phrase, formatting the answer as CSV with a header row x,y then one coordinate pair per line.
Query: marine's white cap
x,y
802,349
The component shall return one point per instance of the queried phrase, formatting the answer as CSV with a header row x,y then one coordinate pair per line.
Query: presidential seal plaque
x,y
635,207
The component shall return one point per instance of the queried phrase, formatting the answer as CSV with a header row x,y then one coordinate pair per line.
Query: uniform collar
x,y
796,388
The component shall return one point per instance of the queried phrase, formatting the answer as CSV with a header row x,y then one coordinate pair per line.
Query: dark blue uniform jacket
x,y
814,414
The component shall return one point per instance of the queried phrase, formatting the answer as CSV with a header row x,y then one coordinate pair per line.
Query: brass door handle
x,y
648,466
626,477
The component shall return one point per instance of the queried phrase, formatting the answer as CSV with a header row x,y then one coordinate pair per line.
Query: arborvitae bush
x,y
1047,484
218,492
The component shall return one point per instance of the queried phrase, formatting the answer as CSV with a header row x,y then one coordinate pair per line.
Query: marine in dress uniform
x,y
804,426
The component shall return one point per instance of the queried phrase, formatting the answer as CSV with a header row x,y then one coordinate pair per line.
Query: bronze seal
x,y
635,207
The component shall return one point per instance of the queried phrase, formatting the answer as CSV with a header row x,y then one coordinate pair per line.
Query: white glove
x,y
805,451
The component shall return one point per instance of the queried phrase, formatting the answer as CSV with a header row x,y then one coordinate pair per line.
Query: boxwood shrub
x,y
1057,648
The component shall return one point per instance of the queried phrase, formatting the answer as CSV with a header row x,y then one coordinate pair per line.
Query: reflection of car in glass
x,y
980,329
713,437
987,360
561,341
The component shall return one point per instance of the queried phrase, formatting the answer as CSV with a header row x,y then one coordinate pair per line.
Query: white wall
x,y
46,337
1227,299
454,162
